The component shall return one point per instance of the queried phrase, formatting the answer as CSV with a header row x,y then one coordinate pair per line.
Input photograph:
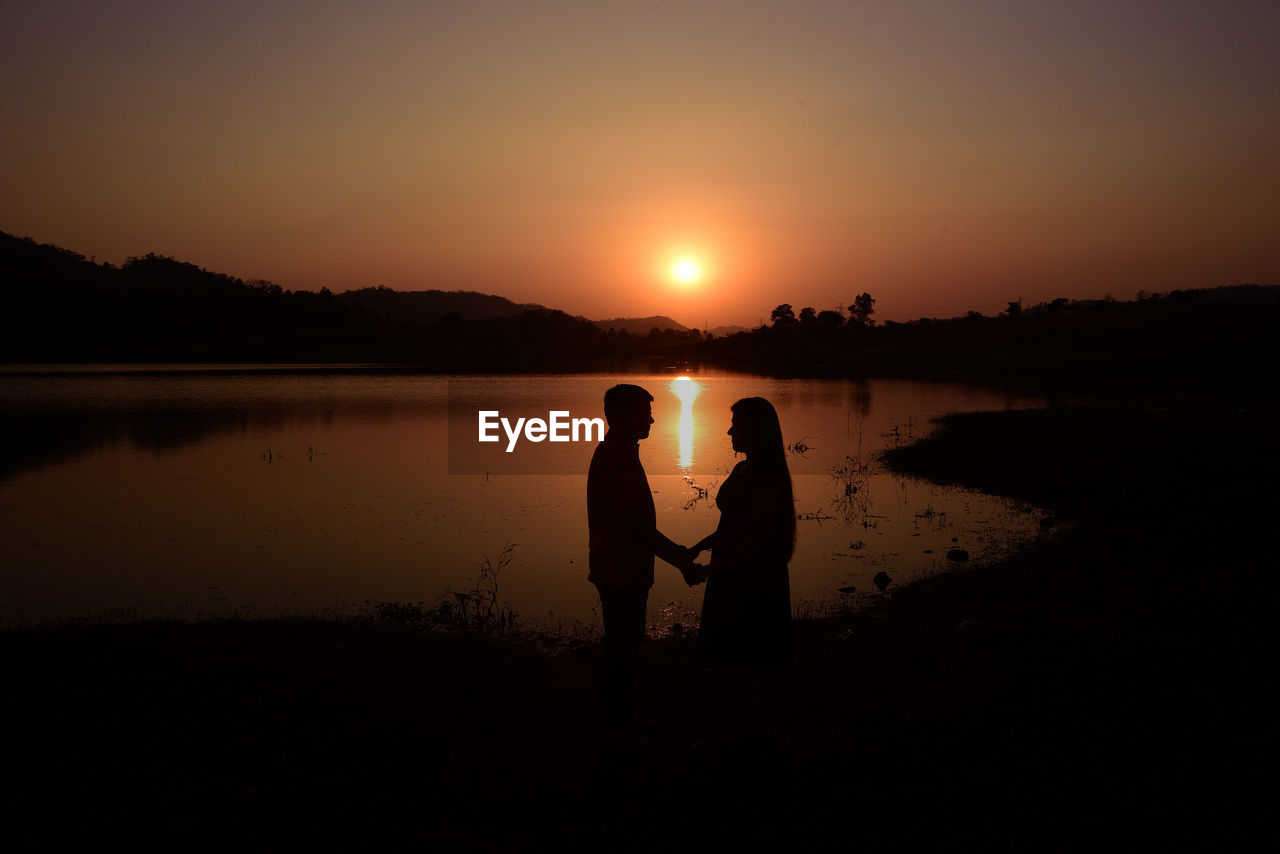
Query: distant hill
x,y
426,307
640,325
430,306
722,331
63,307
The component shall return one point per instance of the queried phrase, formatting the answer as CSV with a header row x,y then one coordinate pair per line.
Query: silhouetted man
x,y
624,538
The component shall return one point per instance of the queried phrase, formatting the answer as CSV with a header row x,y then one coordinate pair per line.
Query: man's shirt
x,y
621,519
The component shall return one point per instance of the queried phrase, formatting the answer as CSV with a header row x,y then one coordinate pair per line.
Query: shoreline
x,y
1101,685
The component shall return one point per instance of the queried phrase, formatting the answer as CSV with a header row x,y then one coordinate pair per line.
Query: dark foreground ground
x,y
1108,688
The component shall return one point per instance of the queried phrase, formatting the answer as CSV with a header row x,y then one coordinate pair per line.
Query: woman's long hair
x,y
769,458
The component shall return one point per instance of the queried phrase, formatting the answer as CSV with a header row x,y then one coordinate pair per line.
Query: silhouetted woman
x,y
746,612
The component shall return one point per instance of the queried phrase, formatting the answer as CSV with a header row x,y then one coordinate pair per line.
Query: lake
x,y
248,491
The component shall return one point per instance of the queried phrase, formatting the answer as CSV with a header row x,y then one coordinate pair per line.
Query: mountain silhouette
x,y
640,325
722,331
63,307
431,306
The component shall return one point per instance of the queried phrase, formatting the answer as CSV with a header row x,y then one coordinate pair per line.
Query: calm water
x,y
254,492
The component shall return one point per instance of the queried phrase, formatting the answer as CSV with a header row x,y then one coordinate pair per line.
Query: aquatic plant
x,y
475,609
851,482
700,493
478,609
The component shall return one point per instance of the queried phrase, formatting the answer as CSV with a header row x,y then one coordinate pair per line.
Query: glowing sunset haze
x,y
701,160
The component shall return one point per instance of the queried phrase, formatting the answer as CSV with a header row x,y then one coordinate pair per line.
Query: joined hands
x,y
694,573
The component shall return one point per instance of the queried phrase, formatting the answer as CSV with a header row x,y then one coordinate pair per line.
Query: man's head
x,y
629,410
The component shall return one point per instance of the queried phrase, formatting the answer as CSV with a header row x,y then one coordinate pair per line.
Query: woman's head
x,y
757,433
755,429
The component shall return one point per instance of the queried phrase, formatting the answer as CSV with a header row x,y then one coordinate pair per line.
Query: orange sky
x,y
943,156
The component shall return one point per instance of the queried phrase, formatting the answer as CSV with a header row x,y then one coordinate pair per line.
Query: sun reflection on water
x,y
687,390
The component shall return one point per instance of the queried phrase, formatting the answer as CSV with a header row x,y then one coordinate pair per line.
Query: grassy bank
x,y
1100,688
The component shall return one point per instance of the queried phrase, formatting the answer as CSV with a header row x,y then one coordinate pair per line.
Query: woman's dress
x,y
746,612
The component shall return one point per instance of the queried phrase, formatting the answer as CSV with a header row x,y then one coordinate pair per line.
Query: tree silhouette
x,y
830,319
783,316
862,309
808,315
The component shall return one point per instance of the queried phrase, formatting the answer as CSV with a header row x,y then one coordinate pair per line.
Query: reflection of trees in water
x,y
35,441
35,438
859,397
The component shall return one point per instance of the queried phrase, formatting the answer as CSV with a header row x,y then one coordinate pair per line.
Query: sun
x,y
686,271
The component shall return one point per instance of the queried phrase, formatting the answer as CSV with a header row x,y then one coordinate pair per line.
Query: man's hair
x,y
624,398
